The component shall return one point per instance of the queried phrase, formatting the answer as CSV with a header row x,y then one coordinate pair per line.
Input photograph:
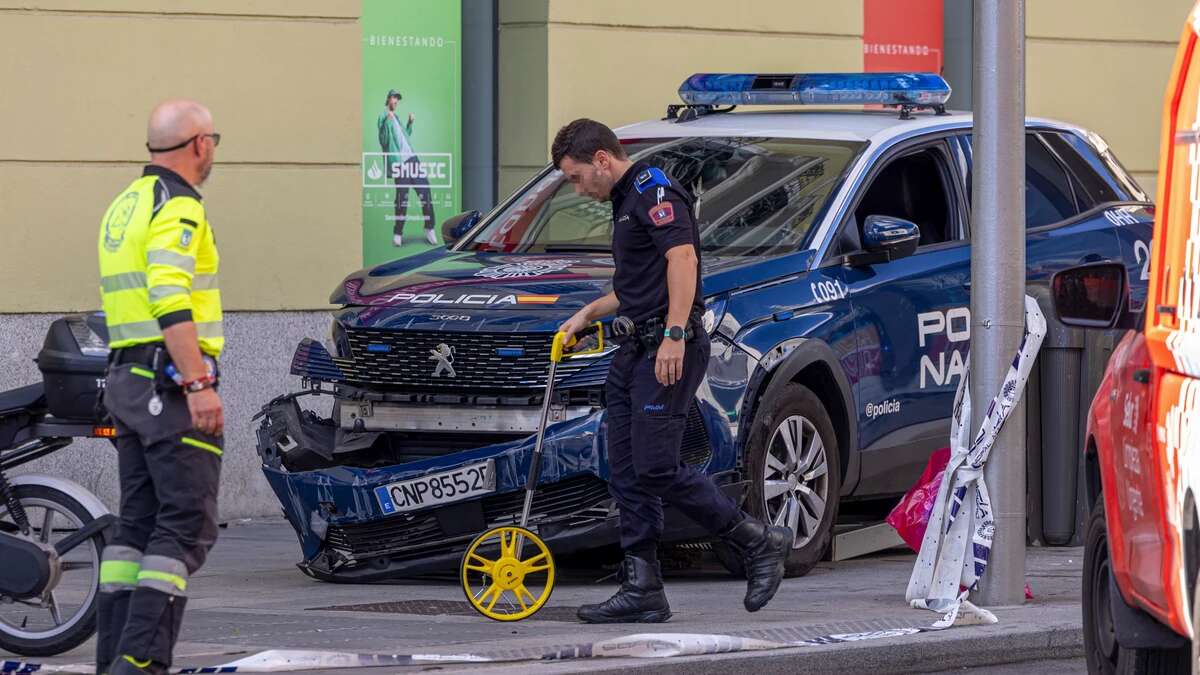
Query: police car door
x,y
911,314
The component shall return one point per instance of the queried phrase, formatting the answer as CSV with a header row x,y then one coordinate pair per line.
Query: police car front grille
x,y
513,362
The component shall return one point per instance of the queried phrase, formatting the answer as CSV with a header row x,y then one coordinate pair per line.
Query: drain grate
x,y
445,608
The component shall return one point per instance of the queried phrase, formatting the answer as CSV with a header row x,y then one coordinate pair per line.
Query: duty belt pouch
x,y
136,396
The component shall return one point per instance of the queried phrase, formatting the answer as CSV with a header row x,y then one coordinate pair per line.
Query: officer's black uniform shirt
x,y
651,215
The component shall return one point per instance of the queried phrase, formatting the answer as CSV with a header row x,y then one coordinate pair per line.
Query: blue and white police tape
x,y
641,645
944,574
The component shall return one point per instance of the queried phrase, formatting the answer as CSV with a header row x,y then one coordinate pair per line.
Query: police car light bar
x,y
915,90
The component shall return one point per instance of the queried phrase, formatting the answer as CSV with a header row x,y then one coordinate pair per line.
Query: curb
x,y
967,647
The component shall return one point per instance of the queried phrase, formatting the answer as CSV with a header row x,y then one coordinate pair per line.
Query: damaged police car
x,y
836,267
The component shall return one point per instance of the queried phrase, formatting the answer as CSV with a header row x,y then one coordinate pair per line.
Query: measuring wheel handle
x,y
496,586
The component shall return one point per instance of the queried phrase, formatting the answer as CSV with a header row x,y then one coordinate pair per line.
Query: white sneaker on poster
x,y
431,238
397,240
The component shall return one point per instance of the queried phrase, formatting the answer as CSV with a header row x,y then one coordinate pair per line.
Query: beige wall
x,y
1104,64
282,79
620,61
1099,63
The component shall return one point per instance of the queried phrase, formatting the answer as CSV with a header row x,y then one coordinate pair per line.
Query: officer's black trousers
x,y
645,431
167,521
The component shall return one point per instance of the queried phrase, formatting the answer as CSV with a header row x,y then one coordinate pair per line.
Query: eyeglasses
x,y
216,139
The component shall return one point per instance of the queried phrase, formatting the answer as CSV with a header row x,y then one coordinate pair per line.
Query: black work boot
x,y
764,550
641,598
127,665
112,608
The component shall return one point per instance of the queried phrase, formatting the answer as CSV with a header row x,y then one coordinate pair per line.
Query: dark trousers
x,y
645,431
169,475
168,498
421,187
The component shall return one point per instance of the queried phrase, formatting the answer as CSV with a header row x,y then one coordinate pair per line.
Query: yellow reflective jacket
x,y
158,263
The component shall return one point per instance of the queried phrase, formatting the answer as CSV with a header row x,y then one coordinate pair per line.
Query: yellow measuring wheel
x,y
500,582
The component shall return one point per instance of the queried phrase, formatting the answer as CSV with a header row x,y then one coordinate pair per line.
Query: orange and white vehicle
x,y
1141,598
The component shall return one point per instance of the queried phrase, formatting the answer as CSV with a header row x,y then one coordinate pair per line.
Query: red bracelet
x,y
199,384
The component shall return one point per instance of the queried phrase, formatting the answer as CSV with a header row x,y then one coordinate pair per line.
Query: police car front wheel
x,y
793,462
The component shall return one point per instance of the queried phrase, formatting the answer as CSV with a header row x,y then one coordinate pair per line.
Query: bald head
x,y
178,121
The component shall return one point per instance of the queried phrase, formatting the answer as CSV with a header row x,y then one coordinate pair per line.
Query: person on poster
x,y
405,168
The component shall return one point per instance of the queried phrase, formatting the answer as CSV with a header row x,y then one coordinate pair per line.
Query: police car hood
x,y
452,280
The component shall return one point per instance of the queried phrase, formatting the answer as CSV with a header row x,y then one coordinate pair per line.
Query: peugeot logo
x,y
444,355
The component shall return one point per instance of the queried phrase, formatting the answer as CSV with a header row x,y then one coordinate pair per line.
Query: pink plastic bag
x,y
911,515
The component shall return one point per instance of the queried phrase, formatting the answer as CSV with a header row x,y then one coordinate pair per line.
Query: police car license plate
x,y
455,485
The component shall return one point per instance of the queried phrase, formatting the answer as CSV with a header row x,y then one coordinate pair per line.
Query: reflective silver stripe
x,y
136,330
115,562
123,281
204,282
209,329
162,256
164,574
159,292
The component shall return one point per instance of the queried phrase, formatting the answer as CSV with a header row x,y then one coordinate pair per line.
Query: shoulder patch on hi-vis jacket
x,y
650,177
663,213
185,238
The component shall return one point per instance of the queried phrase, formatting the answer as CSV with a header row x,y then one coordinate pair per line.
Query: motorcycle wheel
x,y
65,616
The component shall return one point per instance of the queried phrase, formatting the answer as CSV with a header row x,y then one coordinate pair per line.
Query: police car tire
x,y
1104,655
83,628
788,400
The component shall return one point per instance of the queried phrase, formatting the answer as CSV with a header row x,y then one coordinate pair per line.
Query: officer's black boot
x,y
764,550
112,608
641,598
150,633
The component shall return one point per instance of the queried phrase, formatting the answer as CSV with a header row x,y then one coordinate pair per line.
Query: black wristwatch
x,y
674,332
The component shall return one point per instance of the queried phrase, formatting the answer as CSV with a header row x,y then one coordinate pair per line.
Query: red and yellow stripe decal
x,y
537,299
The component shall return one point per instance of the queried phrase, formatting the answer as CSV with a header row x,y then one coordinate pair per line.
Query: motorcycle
x,y
52,530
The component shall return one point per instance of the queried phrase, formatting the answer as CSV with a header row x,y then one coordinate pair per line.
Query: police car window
x,y
1049,194
913,187
753,196
1101,180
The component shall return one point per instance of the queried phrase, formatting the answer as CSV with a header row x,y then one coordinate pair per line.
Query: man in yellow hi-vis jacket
x,y
158,285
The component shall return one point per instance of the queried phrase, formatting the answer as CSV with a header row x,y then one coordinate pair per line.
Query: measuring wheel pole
x,y
535,462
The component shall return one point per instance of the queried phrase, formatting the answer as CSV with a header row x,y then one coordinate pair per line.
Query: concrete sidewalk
x,y
250,597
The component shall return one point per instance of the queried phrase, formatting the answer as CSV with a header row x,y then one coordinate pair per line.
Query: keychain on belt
x,y
155,406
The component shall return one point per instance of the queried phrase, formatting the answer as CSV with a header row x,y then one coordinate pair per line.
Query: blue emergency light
x,y
902,89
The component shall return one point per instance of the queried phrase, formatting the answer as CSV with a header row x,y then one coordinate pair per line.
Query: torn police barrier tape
x,y
642,645
944,572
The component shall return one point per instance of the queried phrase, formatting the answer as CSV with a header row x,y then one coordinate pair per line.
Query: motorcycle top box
x,y
73,359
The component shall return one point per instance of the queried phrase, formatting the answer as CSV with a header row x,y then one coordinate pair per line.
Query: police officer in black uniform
x,y
654,377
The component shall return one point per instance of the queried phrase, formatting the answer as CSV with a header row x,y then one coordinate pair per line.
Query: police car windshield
x,y
754,197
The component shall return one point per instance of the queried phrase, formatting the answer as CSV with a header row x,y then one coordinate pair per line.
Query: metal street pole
x,y
998,276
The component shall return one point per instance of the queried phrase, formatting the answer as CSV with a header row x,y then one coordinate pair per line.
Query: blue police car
x,y
836,273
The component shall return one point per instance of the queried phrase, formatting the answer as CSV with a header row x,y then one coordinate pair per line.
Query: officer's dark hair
x,y
580,140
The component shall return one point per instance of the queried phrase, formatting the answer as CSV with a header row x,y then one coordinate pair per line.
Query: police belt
x,y
153,355
649,334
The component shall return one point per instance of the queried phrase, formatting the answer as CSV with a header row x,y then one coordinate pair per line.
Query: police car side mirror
x,y
885,238
454,227
1092,296
897,236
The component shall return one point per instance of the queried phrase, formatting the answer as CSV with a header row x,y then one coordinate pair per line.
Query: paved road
x,y
250,597
1049,667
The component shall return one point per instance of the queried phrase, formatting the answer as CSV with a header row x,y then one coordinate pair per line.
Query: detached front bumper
x,y
346,536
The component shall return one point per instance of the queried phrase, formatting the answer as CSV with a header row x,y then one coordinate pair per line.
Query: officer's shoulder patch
x,y
661,214
648,178
185,238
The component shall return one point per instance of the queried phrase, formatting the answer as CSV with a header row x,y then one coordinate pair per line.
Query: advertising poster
x,y
902,36
412,117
